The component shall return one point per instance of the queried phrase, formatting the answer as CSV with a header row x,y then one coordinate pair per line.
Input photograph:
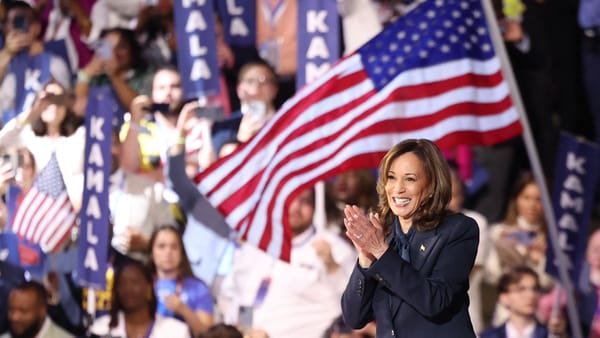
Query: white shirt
x,y
69,154
301,299
136,201
511,331
163,327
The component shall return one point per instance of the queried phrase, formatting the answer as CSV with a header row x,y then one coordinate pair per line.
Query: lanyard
x,y
273,13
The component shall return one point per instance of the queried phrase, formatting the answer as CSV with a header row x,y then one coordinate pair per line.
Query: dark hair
x,y
185,269
222,330
514,276
258,63
138,62
23,5
37,288
524,179
431,211
116,305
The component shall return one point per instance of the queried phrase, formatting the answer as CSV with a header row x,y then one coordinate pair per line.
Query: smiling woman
x,y
413,252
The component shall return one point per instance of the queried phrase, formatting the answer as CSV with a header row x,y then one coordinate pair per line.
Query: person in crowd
x,y
51,128
295,299
519,290
222,330
118,62
110,14
68,21
28,313
414,255
137,207
156,31
588,299
180,294
352,187
256,89
22,48
301,298
145,135
133,310
277,43
520,239
476,275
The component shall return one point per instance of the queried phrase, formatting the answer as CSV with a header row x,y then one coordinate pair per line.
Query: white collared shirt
x,y
511,331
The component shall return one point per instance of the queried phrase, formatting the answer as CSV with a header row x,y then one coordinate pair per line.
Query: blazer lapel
x,y
422,244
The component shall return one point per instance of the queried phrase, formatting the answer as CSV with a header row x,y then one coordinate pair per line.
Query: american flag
x,y
46,215
431,74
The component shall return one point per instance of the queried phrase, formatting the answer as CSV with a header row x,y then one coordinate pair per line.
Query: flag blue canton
x,y
49,181
435,32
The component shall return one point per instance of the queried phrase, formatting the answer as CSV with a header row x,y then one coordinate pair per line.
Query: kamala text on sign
x,y
197,54
239,21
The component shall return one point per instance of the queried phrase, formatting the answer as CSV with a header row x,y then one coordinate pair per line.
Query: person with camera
x,y
22,58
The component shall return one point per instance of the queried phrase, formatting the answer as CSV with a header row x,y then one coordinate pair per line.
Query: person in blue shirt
x,y
179,293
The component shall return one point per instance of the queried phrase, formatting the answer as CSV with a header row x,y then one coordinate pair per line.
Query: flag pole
x,y
536,166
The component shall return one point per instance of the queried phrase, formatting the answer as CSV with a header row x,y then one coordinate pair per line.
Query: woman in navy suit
x,y
415,256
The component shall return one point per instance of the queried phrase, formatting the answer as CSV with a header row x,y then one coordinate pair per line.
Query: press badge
x,y
269,51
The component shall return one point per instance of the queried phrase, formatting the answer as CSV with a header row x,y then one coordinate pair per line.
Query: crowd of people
x,y
430,243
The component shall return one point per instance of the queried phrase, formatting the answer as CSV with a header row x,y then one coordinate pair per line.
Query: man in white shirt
x,y
28,316
296,299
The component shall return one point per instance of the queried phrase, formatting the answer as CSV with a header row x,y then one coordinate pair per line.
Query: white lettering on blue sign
x,y
95,185
576,164
313,71
315,21
238,27
195,22
317,48
233,9
570,202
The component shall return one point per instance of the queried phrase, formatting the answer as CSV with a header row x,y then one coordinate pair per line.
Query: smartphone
x,y
59,99
213,113
104,50
13,160
258,109
245,315
160,107
21,22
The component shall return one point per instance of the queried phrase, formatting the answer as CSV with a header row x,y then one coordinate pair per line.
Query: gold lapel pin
x,y
422,248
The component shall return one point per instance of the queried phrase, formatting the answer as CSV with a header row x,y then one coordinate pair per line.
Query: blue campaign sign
x,y
239,21
318,39
94,217
577,165
196,48
31,73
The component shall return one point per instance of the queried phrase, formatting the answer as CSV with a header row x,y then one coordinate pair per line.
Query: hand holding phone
x,y
245,315
256,109
104,50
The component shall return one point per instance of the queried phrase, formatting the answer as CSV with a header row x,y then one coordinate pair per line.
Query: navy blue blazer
x,y
500,332
424,298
